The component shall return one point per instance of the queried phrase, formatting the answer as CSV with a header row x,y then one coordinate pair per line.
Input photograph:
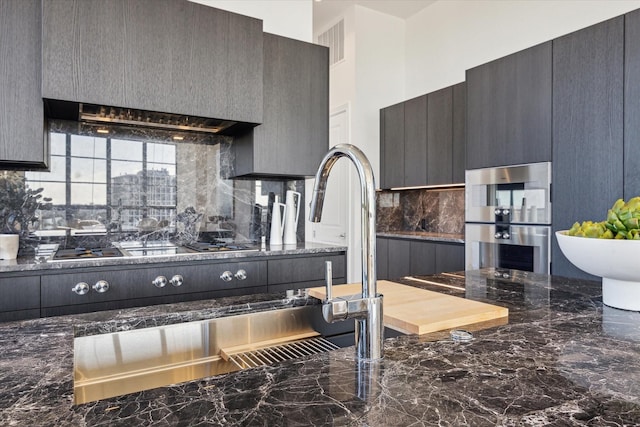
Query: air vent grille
x,y
333,38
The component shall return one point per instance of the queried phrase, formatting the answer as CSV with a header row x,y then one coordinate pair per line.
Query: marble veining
x,y
563,360
426,210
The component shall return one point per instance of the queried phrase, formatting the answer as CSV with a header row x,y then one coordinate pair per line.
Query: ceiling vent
x,y
333,38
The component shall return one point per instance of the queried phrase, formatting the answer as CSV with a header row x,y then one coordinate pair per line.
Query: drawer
x,y
305,269
19,293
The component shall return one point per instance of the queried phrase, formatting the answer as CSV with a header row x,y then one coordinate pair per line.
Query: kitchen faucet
x,y
367,307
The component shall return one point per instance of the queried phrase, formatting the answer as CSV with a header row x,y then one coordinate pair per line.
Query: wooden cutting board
x,y
419,311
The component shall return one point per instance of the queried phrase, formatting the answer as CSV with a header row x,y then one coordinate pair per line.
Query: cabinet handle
x,y
227,276
241,274
160,282
177,280
81,288
101,286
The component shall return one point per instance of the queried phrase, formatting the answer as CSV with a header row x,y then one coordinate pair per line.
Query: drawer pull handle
x,y
101,286
241,274
160,282
81,288
227,276
177,280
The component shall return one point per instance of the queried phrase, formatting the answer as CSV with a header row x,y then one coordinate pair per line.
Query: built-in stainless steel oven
x,y
508,217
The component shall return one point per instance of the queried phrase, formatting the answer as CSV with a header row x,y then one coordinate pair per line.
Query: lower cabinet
x,y
20,298
305,272
83,290
402,257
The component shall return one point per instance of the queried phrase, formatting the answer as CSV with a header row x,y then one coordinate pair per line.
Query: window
x,y
97,182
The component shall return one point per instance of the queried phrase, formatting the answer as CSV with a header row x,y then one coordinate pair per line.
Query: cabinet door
x,y
23,144
587,128
631,105
422,258
449,257
306,271
392,146
415,141
459,132
19,298
294,136
440,136
399,258
509,109
382,258
157,55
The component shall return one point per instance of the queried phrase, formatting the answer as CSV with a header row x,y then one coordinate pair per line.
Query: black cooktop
x,y
219,247
80,253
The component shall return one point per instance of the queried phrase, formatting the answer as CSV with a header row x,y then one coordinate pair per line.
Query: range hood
x,y
102,114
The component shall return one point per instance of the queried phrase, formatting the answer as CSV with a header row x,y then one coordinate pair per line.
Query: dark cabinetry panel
x,y
509,109
22,141
399,262
587,128
392,146
415,141
459,132
440,137
402,257
631,105
137,283
157,55
294,135
19,298
301,270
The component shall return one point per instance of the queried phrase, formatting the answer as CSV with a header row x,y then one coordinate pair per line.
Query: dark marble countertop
x,y
423,235
563,359
33,264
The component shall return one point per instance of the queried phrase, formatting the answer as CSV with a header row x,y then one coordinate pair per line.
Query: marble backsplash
x,y
117,183
439,211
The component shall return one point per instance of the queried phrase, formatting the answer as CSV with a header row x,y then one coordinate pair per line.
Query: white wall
x,y
449,37
293,19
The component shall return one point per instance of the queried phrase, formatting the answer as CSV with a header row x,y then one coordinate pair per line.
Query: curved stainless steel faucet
x,y
365,308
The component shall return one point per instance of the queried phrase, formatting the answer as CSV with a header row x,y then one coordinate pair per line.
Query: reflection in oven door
x,y
514,247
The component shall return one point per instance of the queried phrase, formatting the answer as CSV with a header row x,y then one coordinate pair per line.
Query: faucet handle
x,y
328,277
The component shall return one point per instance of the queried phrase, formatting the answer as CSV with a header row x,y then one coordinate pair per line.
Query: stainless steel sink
x,y
118,363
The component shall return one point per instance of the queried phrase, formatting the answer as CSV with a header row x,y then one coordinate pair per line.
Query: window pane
x,y
129,219
88,146
58,167
58,143
88,170
126,195
126,171
126,150
54,190
88,194
161,153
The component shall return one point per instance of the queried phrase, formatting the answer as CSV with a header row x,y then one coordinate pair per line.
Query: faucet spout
x,y
370,329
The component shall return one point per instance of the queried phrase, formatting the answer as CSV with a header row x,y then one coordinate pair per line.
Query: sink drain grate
x,y
281,352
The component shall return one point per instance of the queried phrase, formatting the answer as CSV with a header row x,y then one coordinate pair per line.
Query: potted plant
x,y
18,212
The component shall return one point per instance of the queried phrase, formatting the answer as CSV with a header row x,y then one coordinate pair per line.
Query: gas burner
x,y
81,253
219,247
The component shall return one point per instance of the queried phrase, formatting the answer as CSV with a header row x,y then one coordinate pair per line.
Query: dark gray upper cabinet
x,y
509,109
587,128
294,136
631,105
156,55
415,141
422,140
440,137
22,141
459,132
392,146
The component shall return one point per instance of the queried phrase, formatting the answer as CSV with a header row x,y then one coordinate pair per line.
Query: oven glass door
x,y
527,248
524,189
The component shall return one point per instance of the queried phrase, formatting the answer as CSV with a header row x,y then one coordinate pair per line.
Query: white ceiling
x,y
325,12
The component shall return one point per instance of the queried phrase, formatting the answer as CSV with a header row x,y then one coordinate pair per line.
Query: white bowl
x,y
616,261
